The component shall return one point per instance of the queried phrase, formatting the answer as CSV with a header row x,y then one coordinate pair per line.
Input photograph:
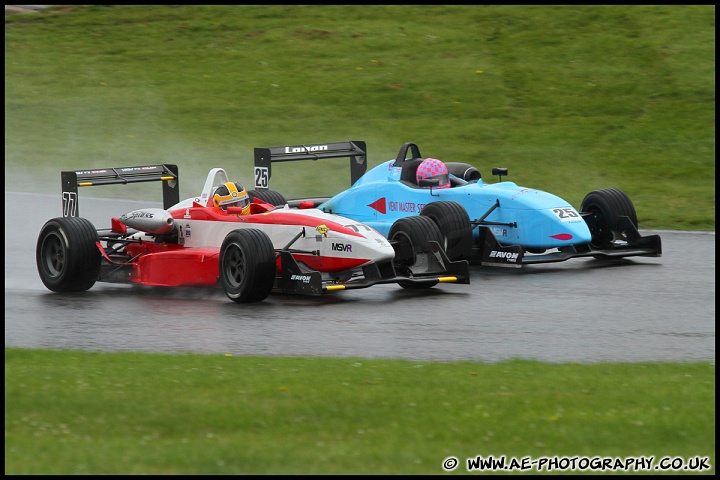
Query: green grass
x,y
570,98
70,412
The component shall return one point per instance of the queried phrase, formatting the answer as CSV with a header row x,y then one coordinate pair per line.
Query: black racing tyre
x,y
269,196
67,256
411,236
247,265
606,206
454,223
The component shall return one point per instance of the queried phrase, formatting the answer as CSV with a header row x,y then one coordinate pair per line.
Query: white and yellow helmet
x,y
232,195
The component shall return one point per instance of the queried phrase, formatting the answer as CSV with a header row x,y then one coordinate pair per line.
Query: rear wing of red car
x,y
72,180
265,157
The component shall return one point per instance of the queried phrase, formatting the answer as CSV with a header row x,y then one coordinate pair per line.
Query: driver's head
x,y
232,194
431,168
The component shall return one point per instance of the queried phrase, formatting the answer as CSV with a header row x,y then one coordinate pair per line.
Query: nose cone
x,y
383,249
572,233
547,228
371,244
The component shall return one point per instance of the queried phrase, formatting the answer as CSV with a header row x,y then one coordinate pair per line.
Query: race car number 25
x,y
566,214
261,177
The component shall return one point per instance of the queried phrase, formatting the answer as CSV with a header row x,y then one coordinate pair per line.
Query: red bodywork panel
x,y
174,265
177,266
258,207
329,264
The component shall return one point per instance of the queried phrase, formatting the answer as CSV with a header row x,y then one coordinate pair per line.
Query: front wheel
x,y
605,207
454,224
67,256
411,236
247,265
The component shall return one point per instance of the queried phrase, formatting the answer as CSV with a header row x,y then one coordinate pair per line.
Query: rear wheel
x,y
411,235
67,256
606,206
268,196
454,223
247,265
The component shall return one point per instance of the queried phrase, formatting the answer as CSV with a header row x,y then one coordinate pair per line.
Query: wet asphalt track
x,y
583,310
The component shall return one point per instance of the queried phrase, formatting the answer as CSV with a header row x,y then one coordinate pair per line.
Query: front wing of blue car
x,y
629,243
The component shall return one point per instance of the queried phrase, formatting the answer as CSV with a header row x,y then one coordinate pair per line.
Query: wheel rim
x,y
234,266
445,241
599,236
53,255
406,255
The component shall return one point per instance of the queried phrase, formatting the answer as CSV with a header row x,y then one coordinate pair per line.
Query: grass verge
x,y
71,412
569,98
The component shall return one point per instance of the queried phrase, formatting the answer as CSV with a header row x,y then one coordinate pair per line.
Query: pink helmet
x,y
431,168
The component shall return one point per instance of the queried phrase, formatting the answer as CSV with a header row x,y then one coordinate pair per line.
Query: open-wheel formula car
x,y
493,224
251,249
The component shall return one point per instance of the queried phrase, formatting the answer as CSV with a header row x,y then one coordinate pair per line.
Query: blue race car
x,y
494,224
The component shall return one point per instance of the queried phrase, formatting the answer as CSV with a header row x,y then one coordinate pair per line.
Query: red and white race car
x,y
274,248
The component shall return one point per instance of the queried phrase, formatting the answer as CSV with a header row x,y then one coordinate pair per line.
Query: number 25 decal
x,y
565,214
261,177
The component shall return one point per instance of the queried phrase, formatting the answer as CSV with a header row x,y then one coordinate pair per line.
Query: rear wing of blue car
x,y
265,157
72,180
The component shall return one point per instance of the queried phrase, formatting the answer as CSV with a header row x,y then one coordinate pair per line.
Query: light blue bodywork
x,y
527,217
494,224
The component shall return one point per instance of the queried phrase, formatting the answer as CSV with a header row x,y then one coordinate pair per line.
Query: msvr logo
x,y
342,247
